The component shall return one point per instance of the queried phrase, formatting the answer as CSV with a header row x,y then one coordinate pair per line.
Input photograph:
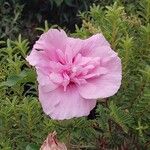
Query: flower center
x,y
78,71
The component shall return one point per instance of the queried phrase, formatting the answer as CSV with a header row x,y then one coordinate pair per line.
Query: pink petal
x,y
105,85
65,105
45,48
38,58
96,72
91,43
102,52
72,48
48,104
53,38
56,77
44,80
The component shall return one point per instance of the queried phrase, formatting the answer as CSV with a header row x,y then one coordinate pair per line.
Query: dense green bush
x,y
10,19
121,122
25,15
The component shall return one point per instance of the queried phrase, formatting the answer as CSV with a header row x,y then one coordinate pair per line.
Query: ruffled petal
x,y
45,48
73,47
93,42
102,52
38,58
44,80
65,105
52,39
105,85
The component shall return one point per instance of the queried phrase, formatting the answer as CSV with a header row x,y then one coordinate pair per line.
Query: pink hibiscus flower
x,y
73,73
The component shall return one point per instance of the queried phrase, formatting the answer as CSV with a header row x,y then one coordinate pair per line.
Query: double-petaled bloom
x,y
73,73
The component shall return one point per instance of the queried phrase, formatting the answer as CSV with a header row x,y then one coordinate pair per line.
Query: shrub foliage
x,y
121,122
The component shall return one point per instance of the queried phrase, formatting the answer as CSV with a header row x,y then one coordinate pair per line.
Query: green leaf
x,y
58,2
121,117
23,77
69,3
32,147
11,81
